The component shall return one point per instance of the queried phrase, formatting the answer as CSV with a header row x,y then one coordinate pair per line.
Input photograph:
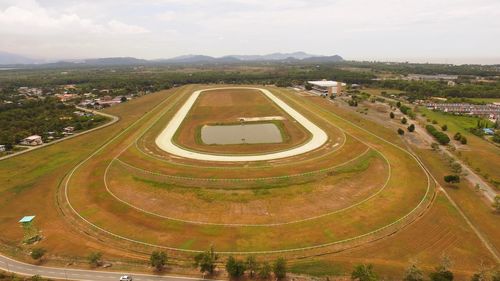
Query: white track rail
x,y
165,138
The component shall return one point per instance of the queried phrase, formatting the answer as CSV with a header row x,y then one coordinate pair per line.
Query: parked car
x,y
126,278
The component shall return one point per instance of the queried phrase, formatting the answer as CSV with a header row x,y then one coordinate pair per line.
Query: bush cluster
x,y
441,137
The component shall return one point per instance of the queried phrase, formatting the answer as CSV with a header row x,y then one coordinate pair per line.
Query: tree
x,y
363,272
413,273
456,168
434,146
37,253
441,137
391,115
252,265
401,131
206,261
457,136
463,140
404,120
398,104
279,268
411,128
479,276
496,276
158,260
441,274
235,268
123,99
265,271
308,86
35,278
95,259
452,179
496,203
444,127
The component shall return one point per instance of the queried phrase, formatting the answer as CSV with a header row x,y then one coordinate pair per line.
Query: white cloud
x,y
357,29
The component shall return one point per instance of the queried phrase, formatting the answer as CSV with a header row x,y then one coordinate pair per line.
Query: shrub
x,y
391,115
441,274
279,268
95,258
411,128
404,120
265,271
158,260
235,268
363,272
401,132
413,273
444,127
463,140
206,261
441,137
252,265
457,136
496,137
37,253
452,179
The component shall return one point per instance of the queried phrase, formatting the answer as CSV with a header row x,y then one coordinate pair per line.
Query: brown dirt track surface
x,y
227,106
33,179
339,190
94,203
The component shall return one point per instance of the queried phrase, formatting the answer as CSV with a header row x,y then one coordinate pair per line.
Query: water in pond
x,y
238,134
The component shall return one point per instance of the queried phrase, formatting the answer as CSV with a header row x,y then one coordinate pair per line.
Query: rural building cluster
x,y
489,111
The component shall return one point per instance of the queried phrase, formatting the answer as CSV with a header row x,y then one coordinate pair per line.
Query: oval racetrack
x,y
164,139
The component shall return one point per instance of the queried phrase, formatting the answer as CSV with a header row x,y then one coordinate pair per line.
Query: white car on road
x,y
126,278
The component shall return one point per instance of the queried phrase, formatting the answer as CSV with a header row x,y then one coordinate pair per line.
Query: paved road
x,y
20,268
164,140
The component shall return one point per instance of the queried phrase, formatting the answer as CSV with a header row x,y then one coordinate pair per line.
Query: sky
x,y
453,31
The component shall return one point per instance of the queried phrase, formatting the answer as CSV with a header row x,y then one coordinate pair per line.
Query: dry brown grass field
x,y
361,198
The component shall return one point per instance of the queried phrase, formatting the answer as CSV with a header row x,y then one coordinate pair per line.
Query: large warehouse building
x,y
328,86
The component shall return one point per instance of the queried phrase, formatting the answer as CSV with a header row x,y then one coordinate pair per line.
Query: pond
x,y
239,134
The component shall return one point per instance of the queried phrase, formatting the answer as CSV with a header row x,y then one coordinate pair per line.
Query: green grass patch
x,y
187,244
316,268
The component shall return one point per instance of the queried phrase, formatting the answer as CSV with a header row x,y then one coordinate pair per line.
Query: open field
x,y
127,198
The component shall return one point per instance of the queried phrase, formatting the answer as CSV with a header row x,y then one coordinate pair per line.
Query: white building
x,y
32,140
328,86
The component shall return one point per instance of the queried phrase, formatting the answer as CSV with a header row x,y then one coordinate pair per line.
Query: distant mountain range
x,y
13,59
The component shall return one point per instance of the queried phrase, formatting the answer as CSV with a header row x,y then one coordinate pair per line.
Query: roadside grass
x,y
465,195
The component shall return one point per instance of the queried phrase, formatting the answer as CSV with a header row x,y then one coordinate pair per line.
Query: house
x,y
2,148
32,140
66,97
